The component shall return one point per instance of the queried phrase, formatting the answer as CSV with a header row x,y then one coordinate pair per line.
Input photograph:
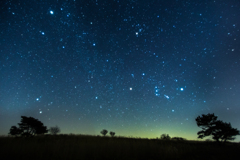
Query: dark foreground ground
x,y
81,147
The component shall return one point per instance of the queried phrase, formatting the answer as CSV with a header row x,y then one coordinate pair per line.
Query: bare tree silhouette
x,y
54,130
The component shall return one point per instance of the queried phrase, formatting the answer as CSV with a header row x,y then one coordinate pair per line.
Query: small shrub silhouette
x,y
178,139
165,137
112,133
104,132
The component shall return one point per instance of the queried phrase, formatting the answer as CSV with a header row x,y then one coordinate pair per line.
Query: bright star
x,y
51,12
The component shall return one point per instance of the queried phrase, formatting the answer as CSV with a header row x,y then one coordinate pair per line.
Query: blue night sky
x,y
138,68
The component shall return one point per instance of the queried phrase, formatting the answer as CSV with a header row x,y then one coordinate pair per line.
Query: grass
x,y
73,147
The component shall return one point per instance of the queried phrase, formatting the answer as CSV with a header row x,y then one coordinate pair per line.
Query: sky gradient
x,y
138,68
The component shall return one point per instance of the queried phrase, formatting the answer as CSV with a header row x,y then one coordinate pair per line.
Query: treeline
x,y
217,129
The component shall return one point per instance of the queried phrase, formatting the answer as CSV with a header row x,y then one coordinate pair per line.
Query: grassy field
x,y
80,147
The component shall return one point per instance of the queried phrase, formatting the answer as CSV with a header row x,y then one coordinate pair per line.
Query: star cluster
x,y
139,68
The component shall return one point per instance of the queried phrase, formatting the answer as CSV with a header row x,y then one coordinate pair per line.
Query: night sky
x,y
140,68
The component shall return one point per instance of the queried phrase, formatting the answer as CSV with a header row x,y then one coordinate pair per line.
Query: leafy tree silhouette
x,y
29,126
224,131
217,129
112,133
54,130
104,132
14,131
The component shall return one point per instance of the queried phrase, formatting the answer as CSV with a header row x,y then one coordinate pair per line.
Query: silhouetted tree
x,y
217,129
165,137
112,133
206,122
104,132
224,131
14,131
29,126
54,130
